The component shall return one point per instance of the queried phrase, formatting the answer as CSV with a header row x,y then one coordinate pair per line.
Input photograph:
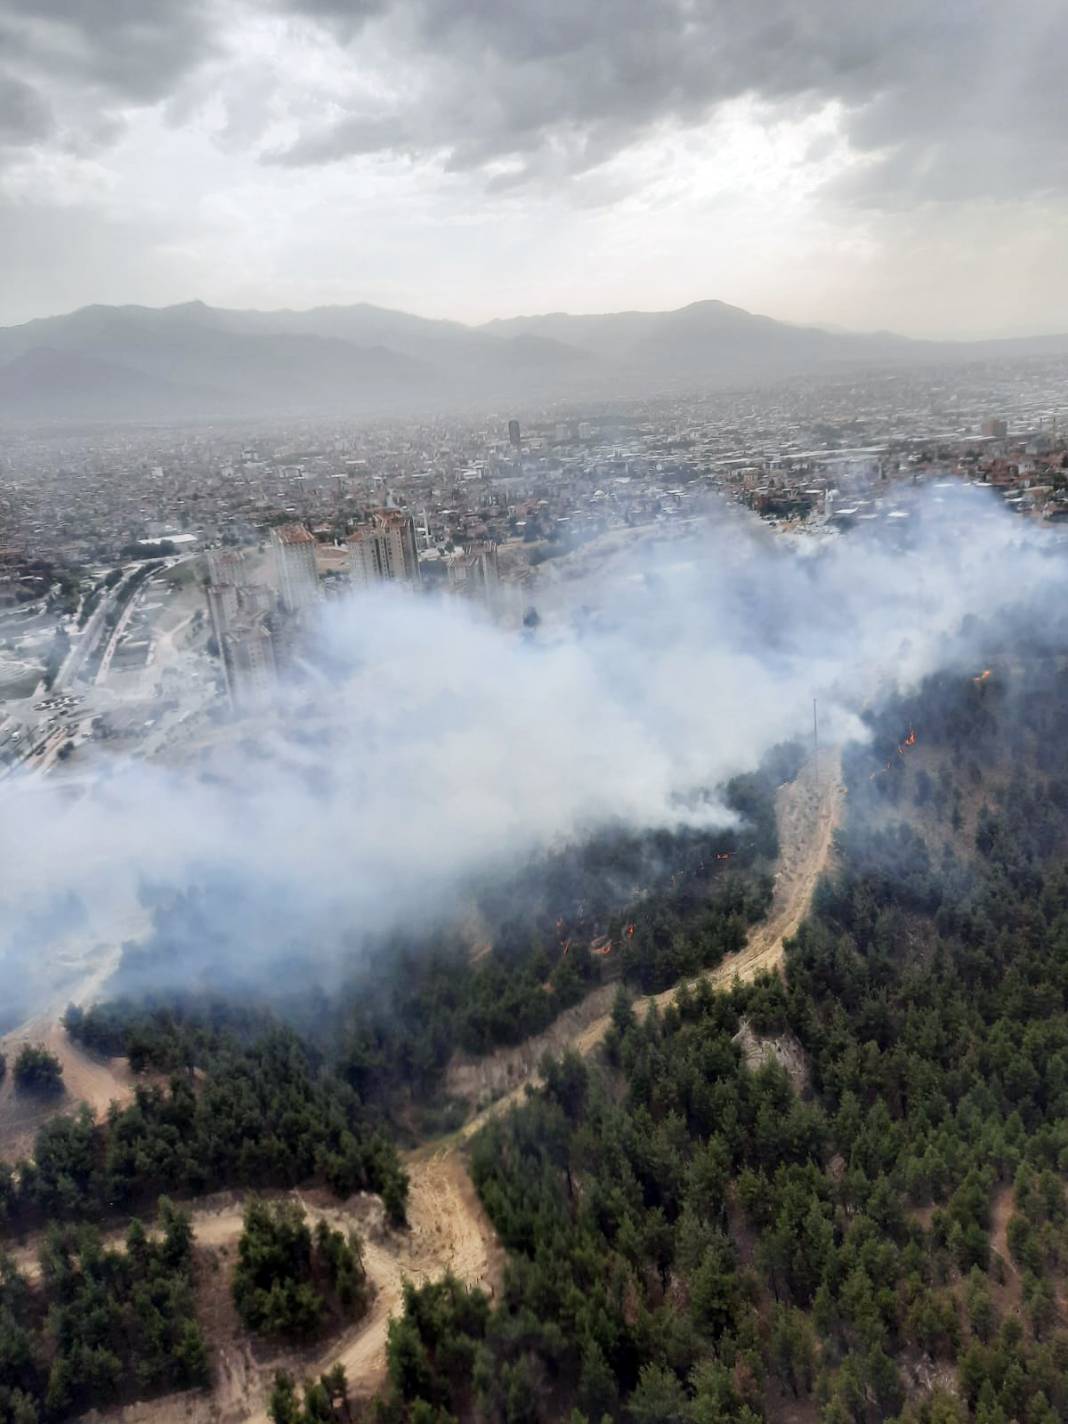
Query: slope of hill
x,y
695,1232
43,383
456,358
706,337
175,362
141,362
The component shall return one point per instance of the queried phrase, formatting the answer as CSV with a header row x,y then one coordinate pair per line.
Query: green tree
x,y
38,1071
659,1398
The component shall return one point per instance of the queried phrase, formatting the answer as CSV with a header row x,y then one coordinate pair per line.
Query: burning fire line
x,y
903,747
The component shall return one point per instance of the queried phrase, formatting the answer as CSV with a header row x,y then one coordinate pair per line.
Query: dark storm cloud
x,y
25,116
948,98
133,51
344,19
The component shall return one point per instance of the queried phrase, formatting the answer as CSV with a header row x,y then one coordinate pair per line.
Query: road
x,y
448,1227
86,642
117,632
90,635
807,813
447,1230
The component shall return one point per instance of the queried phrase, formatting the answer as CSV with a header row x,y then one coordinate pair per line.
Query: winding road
x,y
448,1228
807,813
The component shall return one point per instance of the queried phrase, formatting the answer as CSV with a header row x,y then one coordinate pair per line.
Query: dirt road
x,y
807,812
449,1231
448,1228
86,1079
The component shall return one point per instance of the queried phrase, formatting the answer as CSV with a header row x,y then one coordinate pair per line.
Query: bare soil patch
x,y
448,1231
479,1081
98,1082
782,1048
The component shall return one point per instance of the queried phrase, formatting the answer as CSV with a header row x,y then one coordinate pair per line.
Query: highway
x,y
43,743
90,637
113,641
87,640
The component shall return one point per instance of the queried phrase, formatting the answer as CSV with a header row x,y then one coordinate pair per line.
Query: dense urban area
x,y
124,551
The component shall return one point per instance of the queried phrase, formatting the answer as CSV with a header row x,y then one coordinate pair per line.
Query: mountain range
x,y
196,361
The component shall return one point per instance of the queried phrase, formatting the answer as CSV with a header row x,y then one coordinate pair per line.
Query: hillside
x,y
447,1229
143,363
837,1194
838,1197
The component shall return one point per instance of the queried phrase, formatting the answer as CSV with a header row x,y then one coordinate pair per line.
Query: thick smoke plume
x,y
422,744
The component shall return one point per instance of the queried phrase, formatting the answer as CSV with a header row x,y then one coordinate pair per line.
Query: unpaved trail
x,y
86,1079
447,1230
807,811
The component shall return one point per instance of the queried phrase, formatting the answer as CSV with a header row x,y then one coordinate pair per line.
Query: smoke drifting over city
x,y
422,744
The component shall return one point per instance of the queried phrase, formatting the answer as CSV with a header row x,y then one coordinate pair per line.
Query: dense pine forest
x,y
669,903
259,1115
245,1090
696,1234
837,1195
102,1324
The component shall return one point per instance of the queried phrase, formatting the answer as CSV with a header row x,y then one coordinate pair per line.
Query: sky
x,y
850,162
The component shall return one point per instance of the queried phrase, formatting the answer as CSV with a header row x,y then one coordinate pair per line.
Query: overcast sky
x,y
870,163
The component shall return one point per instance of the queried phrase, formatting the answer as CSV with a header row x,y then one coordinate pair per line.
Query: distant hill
x,y
134,362
44,384
458,355
179,360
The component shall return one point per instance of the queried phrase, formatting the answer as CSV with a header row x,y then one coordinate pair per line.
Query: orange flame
x,y
910,741
983,676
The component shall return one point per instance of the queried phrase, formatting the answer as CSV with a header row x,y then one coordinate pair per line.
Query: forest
x,y
870,1225
260,1115
694,1236
289,1280
242,1091
103,1324
669,903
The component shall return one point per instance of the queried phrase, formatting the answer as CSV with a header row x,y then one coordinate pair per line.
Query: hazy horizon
x,y
1050,329
835,165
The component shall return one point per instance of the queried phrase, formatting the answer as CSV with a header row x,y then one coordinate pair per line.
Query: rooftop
x,y
293,534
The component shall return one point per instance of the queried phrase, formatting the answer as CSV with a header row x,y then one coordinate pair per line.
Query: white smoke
x,y
433,744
